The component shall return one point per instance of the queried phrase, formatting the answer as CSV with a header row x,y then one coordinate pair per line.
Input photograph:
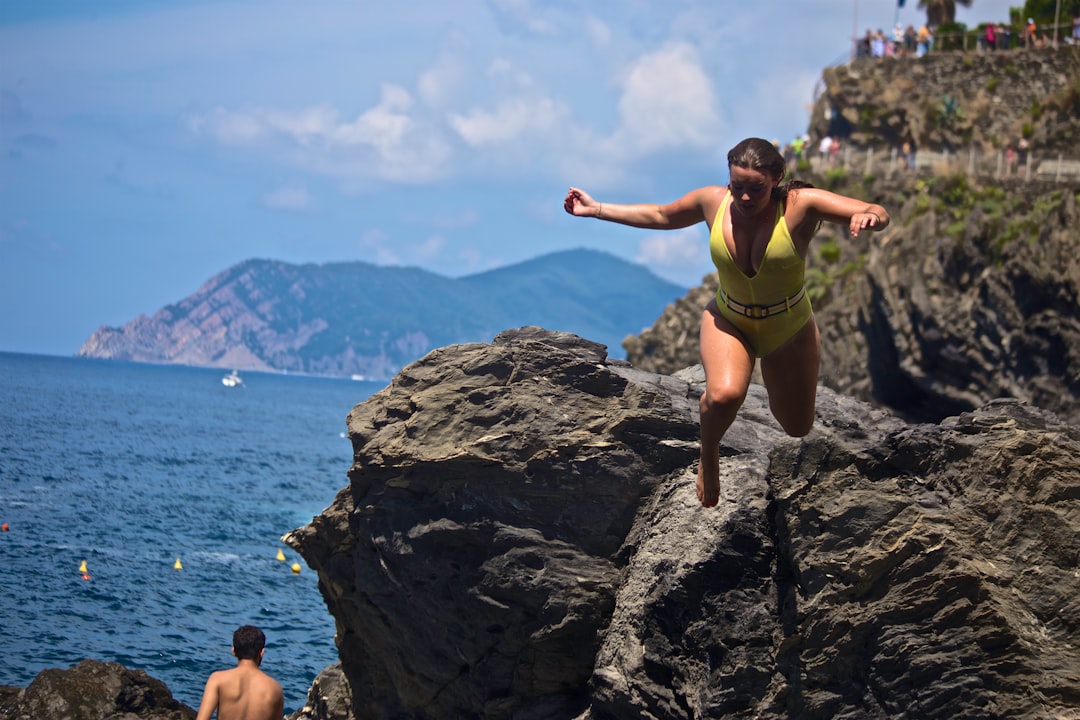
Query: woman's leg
x,y
728,363
790,376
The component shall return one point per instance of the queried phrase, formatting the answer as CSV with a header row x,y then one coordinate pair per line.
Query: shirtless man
x,y
244,692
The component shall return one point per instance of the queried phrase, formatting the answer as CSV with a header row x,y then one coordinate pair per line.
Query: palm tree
x,y
939,12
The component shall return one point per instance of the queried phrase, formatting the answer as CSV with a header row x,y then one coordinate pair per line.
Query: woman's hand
x,y
864,220
580,203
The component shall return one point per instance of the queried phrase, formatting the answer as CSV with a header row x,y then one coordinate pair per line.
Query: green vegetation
x,y
950,36
835,177
992,83
829,252
949,112
1004,217
823,274
866,117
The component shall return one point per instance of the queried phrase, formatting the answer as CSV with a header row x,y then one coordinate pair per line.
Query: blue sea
x,y
132,467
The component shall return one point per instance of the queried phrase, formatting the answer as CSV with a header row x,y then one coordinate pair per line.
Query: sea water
x,y
175,490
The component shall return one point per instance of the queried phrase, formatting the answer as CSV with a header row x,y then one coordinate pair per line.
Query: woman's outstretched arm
x,y
815,205
688,210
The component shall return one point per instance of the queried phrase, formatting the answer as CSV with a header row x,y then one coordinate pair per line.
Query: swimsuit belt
x,y
762,311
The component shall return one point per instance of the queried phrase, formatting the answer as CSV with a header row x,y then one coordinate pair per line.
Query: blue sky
x,y
146,145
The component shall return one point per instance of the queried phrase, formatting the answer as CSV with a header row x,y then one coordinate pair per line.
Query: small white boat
x,y
233,380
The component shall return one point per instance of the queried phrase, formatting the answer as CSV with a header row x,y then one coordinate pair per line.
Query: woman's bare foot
x,y
708,483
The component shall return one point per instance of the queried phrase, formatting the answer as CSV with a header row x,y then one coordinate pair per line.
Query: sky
x,y
147,145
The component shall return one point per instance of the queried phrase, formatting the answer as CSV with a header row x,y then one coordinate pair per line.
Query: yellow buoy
x,y
82,566
177,566
296,567
280,555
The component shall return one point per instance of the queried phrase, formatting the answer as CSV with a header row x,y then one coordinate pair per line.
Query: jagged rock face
x,y
943,321
329,698
93,690
950,100
521,538
475,554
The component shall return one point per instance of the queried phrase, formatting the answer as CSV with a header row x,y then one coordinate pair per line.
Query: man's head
x,y
248,643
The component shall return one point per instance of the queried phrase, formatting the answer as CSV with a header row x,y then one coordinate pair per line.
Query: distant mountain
x,y
361,319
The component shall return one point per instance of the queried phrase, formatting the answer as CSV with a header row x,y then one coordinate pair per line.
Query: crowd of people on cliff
x,y
908,42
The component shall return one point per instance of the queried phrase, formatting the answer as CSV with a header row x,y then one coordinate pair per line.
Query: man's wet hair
x,y
248,641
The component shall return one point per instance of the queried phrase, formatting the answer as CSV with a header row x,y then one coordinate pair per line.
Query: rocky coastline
x,y
520,538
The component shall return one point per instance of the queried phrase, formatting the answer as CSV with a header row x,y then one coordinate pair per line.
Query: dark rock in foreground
x,y
329,698
521,539
93,690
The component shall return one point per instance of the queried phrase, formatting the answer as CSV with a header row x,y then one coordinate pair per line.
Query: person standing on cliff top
x,y
245,692
760,228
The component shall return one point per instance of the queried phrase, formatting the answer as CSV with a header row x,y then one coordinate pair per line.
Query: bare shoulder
x,y
269,683
709,199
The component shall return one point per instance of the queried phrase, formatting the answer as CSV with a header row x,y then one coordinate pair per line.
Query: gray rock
x,y
521,539
93,690
329,698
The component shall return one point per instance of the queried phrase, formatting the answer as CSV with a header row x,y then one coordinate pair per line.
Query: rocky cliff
x,y
951,100
520,538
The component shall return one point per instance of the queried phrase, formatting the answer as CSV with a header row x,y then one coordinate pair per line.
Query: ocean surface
x,y
131,467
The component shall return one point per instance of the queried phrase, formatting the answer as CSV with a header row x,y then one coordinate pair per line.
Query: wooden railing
x,y
998,164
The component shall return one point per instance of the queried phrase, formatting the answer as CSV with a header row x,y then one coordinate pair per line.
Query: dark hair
x,y
248,641
762,155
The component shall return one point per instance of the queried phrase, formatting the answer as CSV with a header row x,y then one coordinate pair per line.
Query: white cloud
x,y
438,85
503,69
599,32
673,248
386,141
229,128
377,247
679,255
430,249
510,120
383,126
668,102
524,14
294,198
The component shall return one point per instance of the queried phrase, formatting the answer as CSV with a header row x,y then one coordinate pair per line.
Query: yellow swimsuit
x,y
770,307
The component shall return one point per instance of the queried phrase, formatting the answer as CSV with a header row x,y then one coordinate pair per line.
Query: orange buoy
x,y
86,576
4,527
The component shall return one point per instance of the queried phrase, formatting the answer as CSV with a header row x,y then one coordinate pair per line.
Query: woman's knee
x,y
725,395
796,424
